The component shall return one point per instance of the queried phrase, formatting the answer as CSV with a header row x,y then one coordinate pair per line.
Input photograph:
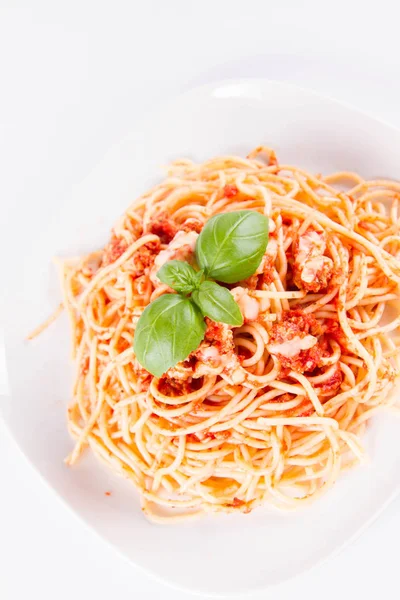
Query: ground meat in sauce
x,y
164,227
114,249
268,277
214,352
320,282
312,270
220,336
216,348
268,272
230,191
175,387
295,324
144,257
304,362
335,332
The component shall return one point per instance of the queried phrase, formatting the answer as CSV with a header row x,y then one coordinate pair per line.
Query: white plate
x,y
225,554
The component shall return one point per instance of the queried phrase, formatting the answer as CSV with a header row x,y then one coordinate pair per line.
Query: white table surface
x,y
75,77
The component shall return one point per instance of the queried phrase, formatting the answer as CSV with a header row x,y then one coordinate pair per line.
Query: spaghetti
x,y
269,412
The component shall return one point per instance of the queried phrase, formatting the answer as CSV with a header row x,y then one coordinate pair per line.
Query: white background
x,y
75,76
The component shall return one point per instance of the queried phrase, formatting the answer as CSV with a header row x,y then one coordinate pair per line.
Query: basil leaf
x,y
217,303
231,245
169,329
180,276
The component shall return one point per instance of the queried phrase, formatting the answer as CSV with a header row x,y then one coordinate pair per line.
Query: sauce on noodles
x,y
267,413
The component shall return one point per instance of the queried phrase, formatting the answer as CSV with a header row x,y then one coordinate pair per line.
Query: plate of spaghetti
x,y
234,327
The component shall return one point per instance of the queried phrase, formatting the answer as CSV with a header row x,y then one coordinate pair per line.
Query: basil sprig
x,y
229,249
180,276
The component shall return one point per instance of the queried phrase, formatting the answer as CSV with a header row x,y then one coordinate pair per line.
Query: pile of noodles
x,y
243,424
